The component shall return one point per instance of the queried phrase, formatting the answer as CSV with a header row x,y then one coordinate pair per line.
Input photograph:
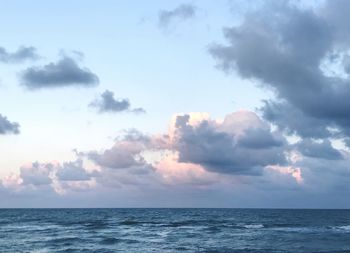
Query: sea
x,y
174,230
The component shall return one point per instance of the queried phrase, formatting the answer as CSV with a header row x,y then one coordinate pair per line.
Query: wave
x,y
298,229
253,226
192,224
344,228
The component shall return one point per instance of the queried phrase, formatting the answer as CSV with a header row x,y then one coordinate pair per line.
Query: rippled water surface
x,y
174,230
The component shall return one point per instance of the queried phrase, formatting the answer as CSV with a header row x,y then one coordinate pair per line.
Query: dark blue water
x,y
174,230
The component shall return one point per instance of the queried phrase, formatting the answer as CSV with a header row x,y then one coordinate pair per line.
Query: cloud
x,y
219,147
301,55
51,178
22,54
36,174
182,12
107,103
7,127
286,170
125,154
272,46
174,173
65,72
329,175
321,149
260,139
73,171
293,121
200,159
242,144
197,150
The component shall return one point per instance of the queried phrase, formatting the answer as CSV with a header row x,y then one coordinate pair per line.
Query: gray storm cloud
x,y
286,48
63,73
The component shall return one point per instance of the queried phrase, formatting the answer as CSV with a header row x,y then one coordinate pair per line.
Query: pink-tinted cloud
x,y
237,155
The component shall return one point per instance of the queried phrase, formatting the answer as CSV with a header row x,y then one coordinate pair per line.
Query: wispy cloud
x,y
182,12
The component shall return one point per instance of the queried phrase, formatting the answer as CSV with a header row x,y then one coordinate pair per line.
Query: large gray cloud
x,y
65,72
223,149
107,103
284,47
22,54
182,12
8,127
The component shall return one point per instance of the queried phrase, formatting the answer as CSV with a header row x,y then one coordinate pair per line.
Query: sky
x,y
223,103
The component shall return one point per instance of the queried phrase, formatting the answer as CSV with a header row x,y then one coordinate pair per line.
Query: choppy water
x,y
174,230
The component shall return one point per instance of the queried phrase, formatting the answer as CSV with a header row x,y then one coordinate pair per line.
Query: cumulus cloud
x,y
107,103
126,156
221,148
181,12
197,155
36,174
59,177
272,45
22,54
65,72
242,144
73,171
8,127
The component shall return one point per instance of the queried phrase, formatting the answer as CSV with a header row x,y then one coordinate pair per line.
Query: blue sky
x,y
133,57
158,69
225,121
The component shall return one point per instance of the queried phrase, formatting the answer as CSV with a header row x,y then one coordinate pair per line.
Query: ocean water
x,y
174,230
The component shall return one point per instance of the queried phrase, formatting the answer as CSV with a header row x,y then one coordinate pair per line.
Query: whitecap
x,y
253,226
346,227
